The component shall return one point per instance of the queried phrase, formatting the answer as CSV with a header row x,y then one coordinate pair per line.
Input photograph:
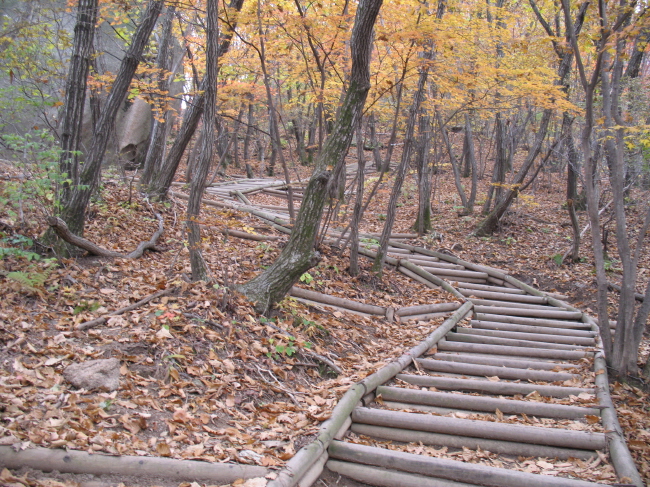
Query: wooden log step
x,y
440,265
495,325
430,409
540,337
499,296
521,320
509,304
433,263
448,469
439,271
492,371
501,361
495,446
427,308
552,313
457,280
418,278
383,477
510,342
484,404
496,289
423,317
526,352
498,282
336,301
489,387
473,428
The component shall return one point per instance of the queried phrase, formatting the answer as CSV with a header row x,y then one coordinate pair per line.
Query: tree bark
x,y
156,150
409,144
299,254
197,185
162,179
73,206
75,96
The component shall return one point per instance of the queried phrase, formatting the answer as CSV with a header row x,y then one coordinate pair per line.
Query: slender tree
x,y
299,254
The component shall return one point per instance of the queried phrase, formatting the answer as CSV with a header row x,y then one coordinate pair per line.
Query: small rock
x,y
94,374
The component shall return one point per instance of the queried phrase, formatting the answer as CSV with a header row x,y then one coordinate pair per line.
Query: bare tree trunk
x,y
490,223
471,158
197,185
75,96
423,220
156,150
454,162
299,254
374,143
162,179
571,183
409,144
498,174
358,203
73,207
250,120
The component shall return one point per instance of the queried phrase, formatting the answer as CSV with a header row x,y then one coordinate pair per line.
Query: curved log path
x,y
526,367
511,372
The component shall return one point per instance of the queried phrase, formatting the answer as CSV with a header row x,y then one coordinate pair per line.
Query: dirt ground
x,y
203,376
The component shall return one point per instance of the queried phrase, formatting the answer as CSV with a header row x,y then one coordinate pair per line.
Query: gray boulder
x,y
101,374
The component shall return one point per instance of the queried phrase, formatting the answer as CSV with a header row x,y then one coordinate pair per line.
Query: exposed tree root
x,y
62,230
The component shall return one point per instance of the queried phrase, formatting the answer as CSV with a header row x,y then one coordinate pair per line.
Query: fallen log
x,y
103,319
244,235
62,230
448,469
638,296
336,301
509,304
80,462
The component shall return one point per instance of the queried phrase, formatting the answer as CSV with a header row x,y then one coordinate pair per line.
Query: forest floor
x,y
202,375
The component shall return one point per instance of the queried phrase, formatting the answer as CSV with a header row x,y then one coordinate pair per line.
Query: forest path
x,y
512,387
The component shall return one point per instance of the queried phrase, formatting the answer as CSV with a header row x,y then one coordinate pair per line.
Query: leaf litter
x,y
204,377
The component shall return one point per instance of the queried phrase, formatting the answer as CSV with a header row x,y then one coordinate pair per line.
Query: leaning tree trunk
x,y
490,223
299,254
455,165
74,205
197,185
409,144
162,179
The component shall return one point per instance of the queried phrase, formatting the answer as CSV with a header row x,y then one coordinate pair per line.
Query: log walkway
x,y
511,371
